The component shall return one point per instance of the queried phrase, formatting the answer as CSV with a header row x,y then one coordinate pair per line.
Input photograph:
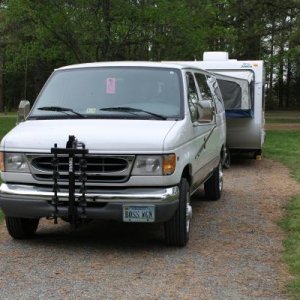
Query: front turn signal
x,y
169,164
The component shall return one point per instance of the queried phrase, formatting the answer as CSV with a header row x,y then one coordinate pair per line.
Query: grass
x,y
291,224
7,122
8,114
284,146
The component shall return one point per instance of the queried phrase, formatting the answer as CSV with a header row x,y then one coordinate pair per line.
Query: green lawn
x,y
284,146
6,123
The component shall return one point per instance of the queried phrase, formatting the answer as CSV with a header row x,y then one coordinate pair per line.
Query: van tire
x,y
21,228
178,227
213,187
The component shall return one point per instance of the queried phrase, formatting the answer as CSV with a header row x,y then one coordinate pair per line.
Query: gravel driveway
x,y
233,253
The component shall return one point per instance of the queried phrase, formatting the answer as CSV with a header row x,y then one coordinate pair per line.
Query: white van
x,y
127,141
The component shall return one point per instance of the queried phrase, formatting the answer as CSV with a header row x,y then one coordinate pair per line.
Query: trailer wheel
x,y
21,228
178,227
227,162
257,155
213,187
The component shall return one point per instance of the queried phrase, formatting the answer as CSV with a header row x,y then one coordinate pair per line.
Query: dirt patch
x,y
234,251
282,127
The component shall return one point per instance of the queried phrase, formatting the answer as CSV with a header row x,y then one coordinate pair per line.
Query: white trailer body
x,y
242,87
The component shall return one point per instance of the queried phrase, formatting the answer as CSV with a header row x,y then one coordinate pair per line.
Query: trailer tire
x,y
21,228
178,227
227,162
213,187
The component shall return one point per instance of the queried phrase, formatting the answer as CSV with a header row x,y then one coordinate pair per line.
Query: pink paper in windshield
x,y
110,85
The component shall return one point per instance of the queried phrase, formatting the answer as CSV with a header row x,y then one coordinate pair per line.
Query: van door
x,y
201,132
209,89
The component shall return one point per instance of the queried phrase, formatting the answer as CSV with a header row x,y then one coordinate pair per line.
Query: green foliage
x,y
6,124
38,36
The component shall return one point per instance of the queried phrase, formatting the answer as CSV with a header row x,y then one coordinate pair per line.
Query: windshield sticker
x,y
91,110
110,85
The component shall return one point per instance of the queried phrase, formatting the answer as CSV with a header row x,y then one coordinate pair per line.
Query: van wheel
x,y
21,228
177,229
213,187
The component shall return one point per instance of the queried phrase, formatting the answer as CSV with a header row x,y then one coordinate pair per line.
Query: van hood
x,y
102,136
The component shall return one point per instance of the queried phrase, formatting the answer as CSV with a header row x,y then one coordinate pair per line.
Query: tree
x,y
38,36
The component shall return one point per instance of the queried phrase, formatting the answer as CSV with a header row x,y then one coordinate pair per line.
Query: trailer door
x,y
237,90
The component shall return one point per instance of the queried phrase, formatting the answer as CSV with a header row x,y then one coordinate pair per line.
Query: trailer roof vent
x,y
215,56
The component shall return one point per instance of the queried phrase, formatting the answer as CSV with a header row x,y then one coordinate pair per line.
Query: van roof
x,y
130,64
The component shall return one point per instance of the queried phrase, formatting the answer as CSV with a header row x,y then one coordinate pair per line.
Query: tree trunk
x,y
288,80
297,86
106,8
270,91
1,82
281,65
280,79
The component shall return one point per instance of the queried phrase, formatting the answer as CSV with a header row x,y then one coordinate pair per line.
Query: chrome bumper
x,y
140,195
26,201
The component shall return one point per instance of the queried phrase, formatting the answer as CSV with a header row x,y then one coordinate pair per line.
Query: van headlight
x,y
154,165
15,162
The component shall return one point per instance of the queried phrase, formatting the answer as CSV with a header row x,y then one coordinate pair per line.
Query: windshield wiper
x,y
61,109
132,110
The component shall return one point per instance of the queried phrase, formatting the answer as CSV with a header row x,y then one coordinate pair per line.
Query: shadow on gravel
x,y
99,235
243,160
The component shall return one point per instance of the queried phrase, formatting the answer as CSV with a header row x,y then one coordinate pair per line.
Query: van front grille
x,y
100,168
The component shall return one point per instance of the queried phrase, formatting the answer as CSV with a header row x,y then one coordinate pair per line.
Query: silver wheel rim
x,y
220,177
188,212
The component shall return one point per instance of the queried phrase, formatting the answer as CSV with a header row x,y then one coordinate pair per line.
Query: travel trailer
x,y
242,87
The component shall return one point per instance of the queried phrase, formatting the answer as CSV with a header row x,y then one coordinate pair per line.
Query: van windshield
x,y
111,92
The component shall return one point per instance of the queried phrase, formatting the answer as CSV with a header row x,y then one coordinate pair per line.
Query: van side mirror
x,y
23,110
205,111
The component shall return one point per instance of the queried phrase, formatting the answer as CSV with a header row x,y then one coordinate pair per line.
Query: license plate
x,y
138,213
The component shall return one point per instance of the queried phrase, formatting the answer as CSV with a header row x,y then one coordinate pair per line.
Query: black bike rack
x,y
74,150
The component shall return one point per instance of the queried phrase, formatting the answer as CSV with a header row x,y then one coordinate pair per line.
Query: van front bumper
x,y
27,201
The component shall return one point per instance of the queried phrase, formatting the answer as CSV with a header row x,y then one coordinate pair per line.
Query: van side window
x,y
219,100
210,90
193,97
216,92
203,86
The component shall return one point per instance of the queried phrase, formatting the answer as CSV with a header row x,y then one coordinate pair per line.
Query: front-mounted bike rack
x,y
74,151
